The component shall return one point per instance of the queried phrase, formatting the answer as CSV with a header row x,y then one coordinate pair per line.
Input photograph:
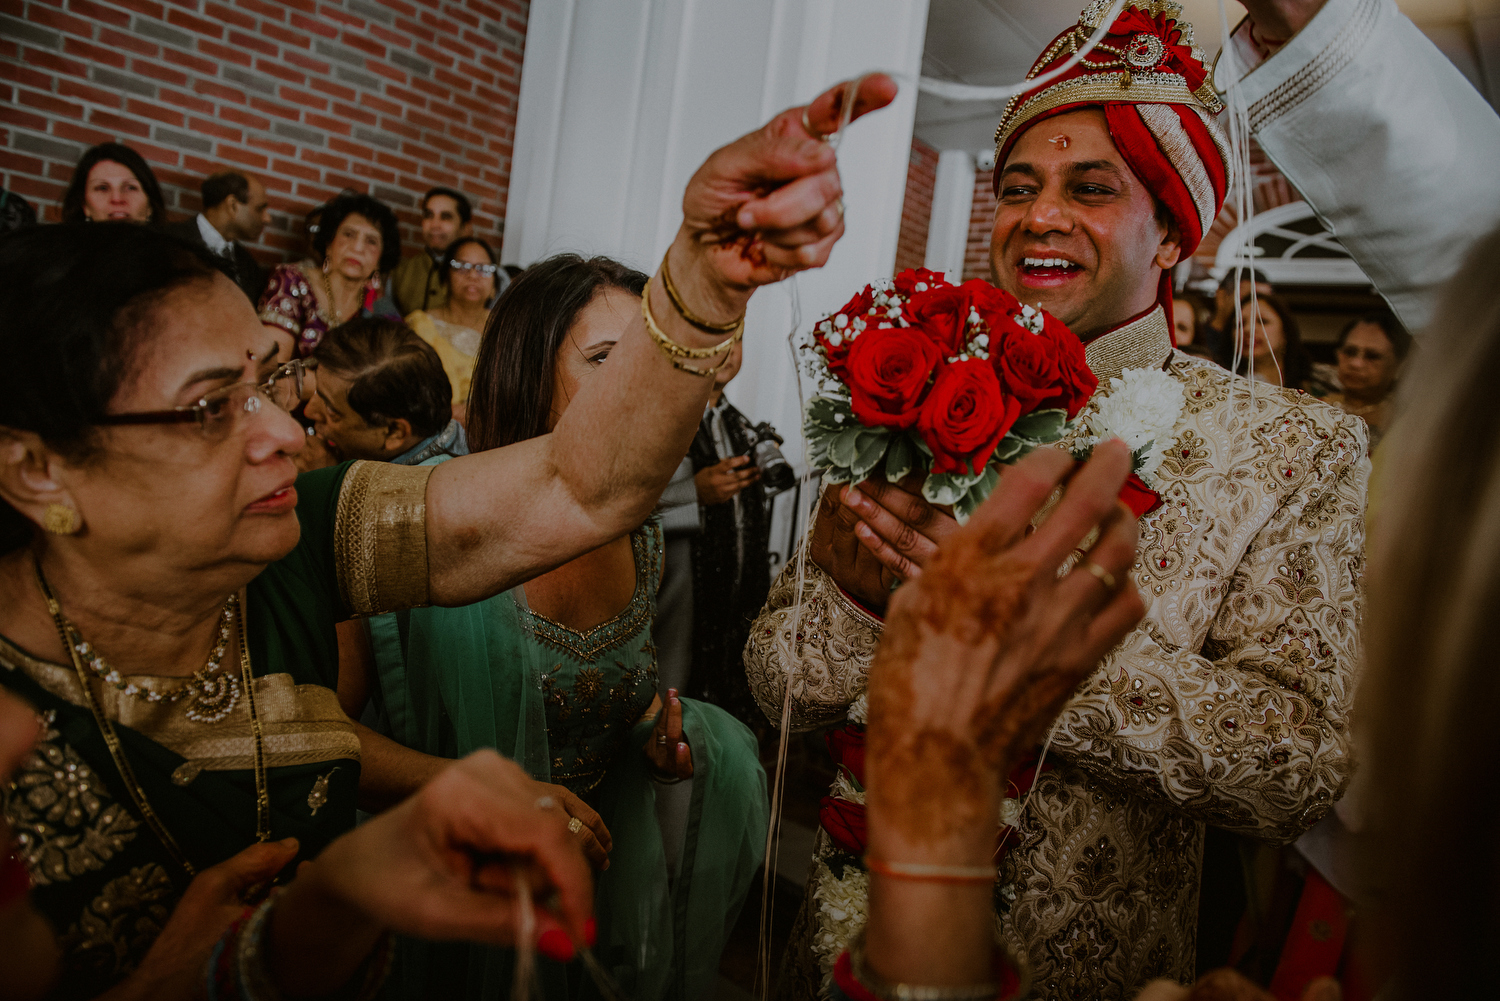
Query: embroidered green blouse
x,y
100,875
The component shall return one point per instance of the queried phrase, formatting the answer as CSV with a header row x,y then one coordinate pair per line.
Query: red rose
x,y
845,823
1140,498
1044,371
846,745
887,371
906,281
1078,381
943,313
965,416
1027,366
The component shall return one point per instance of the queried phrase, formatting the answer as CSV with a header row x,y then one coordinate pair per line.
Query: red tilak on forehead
x,y
1061,140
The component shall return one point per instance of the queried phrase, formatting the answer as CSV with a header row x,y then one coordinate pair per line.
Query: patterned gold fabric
x,y
380,537
1228,705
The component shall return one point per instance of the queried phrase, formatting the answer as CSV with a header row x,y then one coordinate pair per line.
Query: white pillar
x,y
952,204
621,100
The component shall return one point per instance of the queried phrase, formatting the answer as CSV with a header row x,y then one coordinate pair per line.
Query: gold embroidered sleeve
x,y
823,653
380,537
1250,734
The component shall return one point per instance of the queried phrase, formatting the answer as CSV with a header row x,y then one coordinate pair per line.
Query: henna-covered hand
x,y
981,651
767,205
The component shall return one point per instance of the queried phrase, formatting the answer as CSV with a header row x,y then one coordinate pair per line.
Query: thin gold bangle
x,y
670,346
676,352
707,326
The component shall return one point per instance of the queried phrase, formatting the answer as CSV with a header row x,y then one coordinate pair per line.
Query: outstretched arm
x,y
759,209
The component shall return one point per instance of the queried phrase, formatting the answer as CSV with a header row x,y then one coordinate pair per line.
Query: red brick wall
x,y
981,221
916,209
389,97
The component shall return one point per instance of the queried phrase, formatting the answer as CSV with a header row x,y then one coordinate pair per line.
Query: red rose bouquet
x,y
919,375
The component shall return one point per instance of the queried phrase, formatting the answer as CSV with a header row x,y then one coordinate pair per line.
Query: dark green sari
x,y
100,874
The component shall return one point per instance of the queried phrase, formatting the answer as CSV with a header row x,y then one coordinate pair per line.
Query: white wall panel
x,y
621,100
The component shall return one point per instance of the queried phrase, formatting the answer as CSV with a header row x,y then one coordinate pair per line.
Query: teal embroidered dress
x,y
565,705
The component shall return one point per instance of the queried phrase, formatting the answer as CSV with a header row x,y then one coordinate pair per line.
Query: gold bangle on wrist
x,y
707,326
676,352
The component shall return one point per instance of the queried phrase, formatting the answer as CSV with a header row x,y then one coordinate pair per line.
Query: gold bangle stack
x,y
676,352
707,326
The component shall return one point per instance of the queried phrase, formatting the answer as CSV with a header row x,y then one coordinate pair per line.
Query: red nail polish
x,y
554,944
591,932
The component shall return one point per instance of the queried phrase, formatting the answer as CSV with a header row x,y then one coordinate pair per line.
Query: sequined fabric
x,y
599,682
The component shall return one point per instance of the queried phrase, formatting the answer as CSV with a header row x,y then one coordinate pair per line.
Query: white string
x,y
525,971
802,516
952,91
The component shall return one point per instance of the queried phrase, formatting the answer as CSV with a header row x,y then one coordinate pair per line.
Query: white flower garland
x,y
1142,410
840,914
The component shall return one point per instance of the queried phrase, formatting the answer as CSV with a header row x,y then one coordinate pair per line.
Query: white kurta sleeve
x,y
1388,142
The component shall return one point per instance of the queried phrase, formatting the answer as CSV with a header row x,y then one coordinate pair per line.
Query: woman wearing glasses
x,y
1371,351
474,279
170,588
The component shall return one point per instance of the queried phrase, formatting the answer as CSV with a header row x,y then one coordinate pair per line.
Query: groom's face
x,y
1075,229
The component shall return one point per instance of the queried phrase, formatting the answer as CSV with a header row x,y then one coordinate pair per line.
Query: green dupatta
x,y
452,680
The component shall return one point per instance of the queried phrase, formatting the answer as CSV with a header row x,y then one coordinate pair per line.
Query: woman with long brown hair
x,y
561,675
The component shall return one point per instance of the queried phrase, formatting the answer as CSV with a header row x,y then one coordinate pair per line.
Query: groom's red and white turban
x,y
1157,96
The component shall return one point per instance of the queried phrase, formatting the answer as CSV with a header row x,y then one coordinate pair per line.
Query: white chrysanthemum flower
x,y
859,709
1141,406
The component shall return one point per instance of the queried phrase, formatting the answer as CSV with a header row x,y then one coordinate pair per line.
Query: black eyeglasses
x,y
484,269
220,412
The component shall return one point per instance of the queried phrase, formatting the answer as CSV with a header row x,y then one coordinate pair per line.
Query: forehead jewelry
x,y
1061,140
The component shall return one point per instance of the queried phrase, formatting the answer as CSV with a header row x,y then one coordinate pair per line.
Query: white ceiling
x,y
993,42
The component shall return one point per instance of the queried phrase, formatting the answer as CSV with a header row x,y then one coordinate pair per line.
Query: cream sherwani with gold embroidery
x,y
1228,705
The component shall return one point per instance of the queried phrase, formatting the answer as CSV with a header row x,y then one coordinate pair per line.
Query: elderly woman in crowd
x,y
471,274
169,588
1370,353
357,239
113,183
561,675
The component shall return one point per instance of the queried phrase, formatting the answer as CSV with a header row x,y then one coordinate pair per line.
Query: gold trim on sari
x,y
380,537
301,724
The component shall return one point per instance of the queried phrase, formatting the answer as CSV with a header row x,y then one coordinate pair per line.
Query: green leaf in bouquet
x,y
825,412
1009,449
948,488
977,494
901,458
1041,425
869,449
844,448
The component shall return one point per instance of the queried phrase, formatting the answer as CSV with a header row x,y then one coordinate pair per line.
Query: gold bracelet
x,y
707,326
674,349
676,352
707,373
